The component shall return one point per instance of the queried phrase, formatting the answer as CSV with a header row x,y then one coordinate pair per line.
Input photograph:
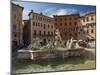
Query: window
x,y
60,24
65,34
75,18
74,29
33,24
60,19
56,24
65,24
44,26
75,34
40,33
55,19
83,19
36,17
94,25
87,19
92,31
70,18
83,32
70,34
92,18
75,23
87,31
51,26
41,18
15,35
48,26
34,32
79,33
70,23
61,35
48,33
52,33
38,24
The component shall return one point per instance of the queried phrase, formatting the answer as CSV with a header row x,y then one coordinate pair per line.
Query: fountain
x,y
56,47
70,43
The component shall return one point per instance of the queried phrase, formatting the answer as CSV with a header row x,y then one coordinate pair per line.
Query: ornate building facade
x,y
40,26
16,25
87,27
67,24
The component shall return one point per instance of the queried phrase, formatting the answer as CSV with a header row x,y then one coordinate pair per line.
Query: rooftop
x,y
38,14
17,5
66,15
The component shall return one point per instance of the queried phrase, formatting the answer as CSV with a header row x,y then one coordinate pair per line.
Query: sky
x,y
50,9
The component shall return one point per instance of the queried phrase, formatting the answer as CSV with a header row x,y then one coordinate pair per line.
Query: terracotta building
x,y
40,26
16,25
67,25
87,27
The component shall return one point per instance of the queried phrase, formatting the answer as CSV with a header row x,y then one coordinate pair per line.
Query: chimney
x,y
41,13
31,10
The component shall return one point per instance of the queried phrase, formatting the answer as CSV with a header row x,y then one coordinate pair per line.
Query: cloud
x,y
86,12
66,11
25,14
50,12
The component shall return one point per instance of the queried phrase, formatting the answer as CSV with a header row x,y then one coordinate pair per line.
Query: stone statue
x,y
58,40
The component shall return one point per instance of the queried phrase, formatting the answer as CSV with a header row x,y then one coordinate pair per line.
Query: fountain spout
x,y
70,43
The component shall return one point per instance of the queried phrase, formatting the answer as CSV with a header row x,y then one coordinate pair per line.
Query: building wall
x,y
87,26
26,33
41,26
67,24
16,25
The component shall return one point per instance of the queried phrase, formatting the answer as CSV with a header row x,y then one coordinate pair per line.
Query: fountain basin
x,y
53,53
24,54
